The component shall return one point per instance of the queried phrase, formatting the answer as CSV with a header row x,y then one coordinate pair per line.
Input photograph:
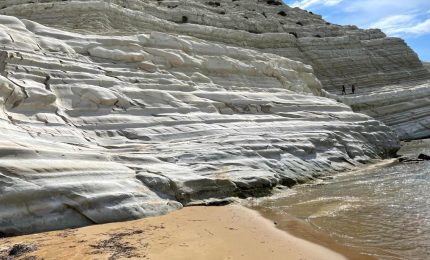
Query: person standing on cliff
x,y
343,90
353,89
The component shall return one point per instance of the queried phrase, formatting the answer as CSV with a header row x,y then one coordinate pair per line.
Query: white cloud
x,y
420,28
399,25
307,3
382,7
408,19
393,22
395,18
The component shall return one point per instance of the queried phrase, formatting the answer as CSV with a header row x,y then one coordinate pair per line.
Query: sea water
x,y
381,211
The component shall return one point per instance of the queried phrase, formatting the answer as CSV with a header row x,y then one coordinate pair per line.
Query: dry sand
x,y
230,232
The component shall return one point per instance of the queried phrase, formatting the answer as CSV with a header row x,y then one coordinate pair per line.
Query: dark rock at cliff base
x,y
420,158
403,159
424,157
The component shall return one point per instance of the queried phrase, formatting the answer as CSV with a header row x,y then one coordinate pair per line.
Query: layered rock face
x,y
405,107
376,64
338,54
107,128
100,127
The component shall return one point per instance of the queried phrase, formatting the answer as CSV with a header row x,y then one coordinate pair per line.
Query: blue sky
x,y
408,19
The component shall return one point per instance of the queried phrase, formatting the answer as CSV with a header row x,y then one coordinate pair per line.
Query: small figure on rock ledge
x,y
352,89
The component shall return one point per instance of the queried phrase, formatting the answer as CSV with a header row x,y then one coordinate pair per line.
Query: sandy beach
x,y
230,232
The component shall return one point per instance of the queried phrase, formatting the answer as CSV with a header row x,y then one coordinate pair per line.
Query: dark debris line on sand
x,y
18,250
117,247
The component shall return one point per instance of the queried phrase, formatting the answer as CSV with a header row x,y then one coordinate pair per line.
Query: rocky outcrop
x,y
101,128
379,66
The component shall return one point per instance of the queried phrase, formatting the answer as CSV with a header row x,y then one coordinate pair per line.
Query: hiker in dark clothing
x,y
353,89
343,90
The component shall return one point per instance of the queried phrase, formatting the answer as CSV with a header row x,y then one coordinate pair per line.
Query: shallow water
x,y
380,211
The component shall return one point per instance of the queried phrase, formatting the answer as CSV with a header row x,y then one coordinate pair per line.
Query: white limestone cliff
x,y
338,54
107,128
405,107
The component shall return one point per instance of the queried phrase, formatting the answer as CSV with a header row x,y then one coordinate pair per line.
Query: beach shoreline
x,y
236,231
301,229
227,232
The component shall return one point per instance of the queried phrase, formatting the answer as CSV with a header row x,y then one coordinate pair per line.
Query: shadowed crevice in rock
x,y
80,213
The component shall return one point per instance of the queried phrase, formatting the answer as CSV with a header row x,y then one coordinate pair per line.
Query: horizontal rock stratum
x,y
338,54
118,114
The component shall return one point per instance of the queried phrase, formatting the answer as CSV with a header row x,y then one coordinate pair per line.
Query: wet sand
x,y
304,230
229,232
